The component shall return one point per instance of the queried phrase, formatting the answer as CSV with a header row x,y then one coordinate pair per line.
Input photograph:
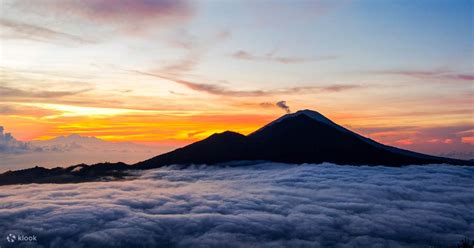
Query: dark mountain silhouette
x,y
302,137
73,174
217,148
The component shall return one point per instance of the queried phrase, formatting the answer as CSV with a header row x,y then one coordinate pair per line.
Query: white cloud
x,y
8,144
267,205
69,150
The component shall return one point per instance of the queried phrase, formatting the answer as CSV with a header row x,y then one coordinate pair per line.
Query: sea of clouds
x,y
262,205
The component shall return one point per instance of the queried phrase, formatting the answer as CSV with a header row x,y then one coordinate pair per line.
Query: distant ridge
x,y
302,137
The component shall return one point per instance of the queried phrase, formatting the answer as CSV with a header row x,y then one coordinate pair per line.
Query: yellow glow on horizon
x,y
70,111
144,127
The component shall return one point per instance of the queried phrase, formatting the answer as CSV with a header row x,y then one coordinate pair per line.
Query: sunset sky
x,y
172,72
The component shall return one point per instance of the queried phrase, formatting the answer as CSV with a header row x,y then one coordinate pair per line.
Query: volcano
x,y
302,137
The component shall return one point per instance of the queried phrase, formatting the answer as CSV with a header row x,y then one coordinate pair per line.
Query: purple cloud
x,y
225,91
131,16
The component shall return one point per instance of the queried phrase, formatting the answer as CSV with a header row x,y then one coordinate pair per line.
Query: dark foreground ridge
x,y
302,137
73,174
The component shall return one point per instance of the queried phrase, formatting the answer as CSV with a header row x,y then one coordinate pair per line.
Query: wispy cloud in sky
x,y
271,57
131,16
17,30
222,90
26,111
432,74
9,92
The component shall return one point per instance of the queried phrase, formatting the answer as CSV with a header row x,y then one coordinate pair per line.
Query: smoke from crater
x,y
282,105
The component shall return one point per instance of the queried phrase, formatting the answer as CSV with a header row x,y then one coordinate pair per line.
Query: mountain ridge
x,y
302,137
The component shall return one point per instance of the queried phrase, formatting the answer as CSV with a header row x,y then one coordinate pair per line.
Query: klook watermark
x,y
14,238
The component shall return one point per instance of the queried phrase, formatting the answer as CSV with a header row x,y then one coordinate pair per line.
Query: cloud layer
x,y
264,205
